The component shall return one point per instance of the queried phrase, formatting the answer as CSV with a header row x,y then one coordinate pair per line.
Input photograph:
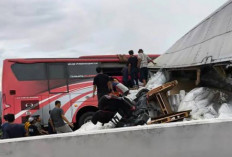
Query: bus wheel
x,y
84,118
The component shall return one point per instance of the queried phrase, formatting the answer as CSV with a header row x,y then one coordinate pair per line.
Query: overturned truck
x,y
201,63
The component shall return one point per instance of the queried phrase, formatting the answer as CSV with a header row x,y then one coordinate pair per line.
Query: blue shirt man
x,y
13,130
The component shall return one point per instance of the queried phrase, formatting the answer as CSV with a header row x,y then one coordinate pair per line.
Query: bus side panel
x,y
7,93
87,102
77,98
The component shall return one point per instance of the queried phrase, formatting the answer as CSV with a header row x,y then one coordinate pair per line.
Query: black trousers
x,y
108,107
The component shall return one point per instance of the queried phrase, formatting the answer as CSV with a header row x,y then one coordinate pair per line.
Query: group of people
x,y
109,89
33,127
135,70
137,65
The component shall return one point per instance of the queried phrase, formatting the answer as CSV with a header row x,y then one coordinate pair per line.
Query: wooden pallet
x,y
171,117
160,95
164,88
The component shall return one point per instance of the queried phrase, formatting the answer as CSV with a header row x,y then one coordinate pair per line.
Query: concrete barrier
x,y
208,138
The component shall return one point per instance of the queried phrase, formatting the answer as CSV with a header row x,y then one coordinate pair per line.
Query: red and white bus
x,y
31,86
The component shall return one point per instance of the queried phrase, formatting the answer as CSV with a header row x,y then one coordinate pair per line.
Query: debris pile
x,y
200,103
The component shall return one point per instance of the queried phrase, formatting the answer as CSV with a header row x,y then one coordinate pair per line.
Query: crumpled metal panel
x,y
208,42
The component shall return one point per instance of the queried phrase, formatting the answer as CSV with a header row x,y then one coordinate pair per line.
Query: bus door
x,y
24,106
57,78
80,85
45,109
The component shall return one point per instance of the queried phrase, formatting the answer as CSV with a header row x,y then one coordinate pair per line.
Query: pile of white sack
x,y
206,103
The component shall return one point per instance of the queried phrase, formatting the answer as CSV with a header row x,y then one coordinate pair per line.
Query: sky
x,y
72,28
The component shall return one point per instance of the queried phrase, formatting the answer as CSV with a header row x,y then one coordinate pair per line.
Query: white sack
x,y
157,80
193,94
225,111
210,112
203,95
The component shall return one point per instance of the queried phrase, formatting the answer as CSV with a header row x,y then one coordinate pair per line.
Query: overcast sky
x,y
71,28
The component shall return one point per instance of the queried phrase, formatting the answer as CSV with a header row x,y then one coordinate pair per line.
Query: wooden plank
x,y
171,117
166,102
166,87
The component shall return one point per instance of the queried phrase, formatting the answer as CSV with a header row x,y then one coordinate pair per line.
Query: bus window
x,y
113,71
29,72
82,70
57,78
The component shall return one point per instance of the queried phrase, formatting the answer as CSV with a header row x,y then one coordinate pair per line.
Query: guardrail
x,y
196,138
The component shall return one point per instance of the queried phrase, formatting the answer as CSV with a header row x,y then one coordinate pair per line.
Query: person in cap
x,y
143,61
32,129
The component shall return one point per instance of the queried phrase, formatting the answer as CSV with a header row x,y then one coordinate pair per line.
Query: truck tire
x,y
84,118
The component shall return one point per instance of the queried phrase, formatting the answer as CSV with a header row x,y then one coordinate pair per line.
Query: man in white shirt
x,y
143,62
